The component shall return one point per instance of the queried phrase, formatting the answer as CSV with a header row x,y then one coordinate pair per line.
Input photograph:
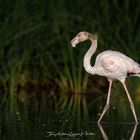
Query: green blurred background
x,y
35,39
42,74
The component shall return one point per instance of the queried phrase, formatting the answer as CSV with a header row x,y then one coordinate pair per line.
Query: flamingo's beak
x,y
74,42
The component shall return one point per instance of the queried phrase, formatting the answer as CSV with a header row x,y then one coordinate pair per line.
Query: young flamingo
x,y
111,64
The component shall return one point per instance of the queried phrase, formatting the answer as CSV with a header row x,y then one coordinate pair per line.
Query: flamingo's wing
x,y
113,61
110,62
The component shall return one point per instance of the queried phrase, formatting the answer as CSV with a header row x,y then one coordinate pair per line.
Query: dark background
x,y
35,38
43,86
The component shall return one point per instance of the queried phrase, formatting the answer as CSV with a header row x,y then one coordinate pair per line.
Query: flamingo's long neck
x,y
87,58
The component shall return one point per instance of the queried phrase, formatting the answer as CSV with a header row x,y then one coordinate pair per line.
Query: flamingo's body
x,y
111,64
115,65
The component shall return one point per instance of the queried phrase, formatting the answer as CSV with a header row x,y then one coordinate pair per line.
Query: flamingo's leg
x,y
107,102
131,103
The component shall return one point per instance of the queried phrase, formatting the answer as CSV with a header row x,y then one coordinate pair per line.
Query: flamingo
x,y
111,64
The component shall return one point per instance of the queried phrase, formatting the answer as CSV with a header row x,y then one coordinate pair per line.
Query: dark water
x,y
53,118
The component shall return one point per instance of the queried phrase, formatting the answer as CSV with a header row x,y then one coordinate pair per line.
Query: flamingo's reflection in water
x,y
105,137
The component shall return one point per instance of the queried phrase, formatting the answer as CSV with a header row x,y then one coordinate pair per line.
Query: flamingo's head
x,y
80,37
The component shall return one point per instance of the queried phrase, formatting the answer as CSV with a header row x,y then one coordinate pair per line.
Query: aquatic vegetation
x,y
35,40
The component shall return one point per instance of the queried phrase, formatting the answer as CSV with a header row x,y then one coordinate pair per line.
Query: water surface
x,y
62,118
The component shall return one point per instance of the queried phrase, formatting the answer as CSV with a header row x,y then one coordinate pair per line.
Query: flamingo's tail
x,y
135,73
138,75
139,72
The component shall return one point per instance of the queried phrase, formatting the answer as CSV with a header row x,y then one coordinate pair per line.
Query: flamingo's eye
x,y
86,34
78,35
